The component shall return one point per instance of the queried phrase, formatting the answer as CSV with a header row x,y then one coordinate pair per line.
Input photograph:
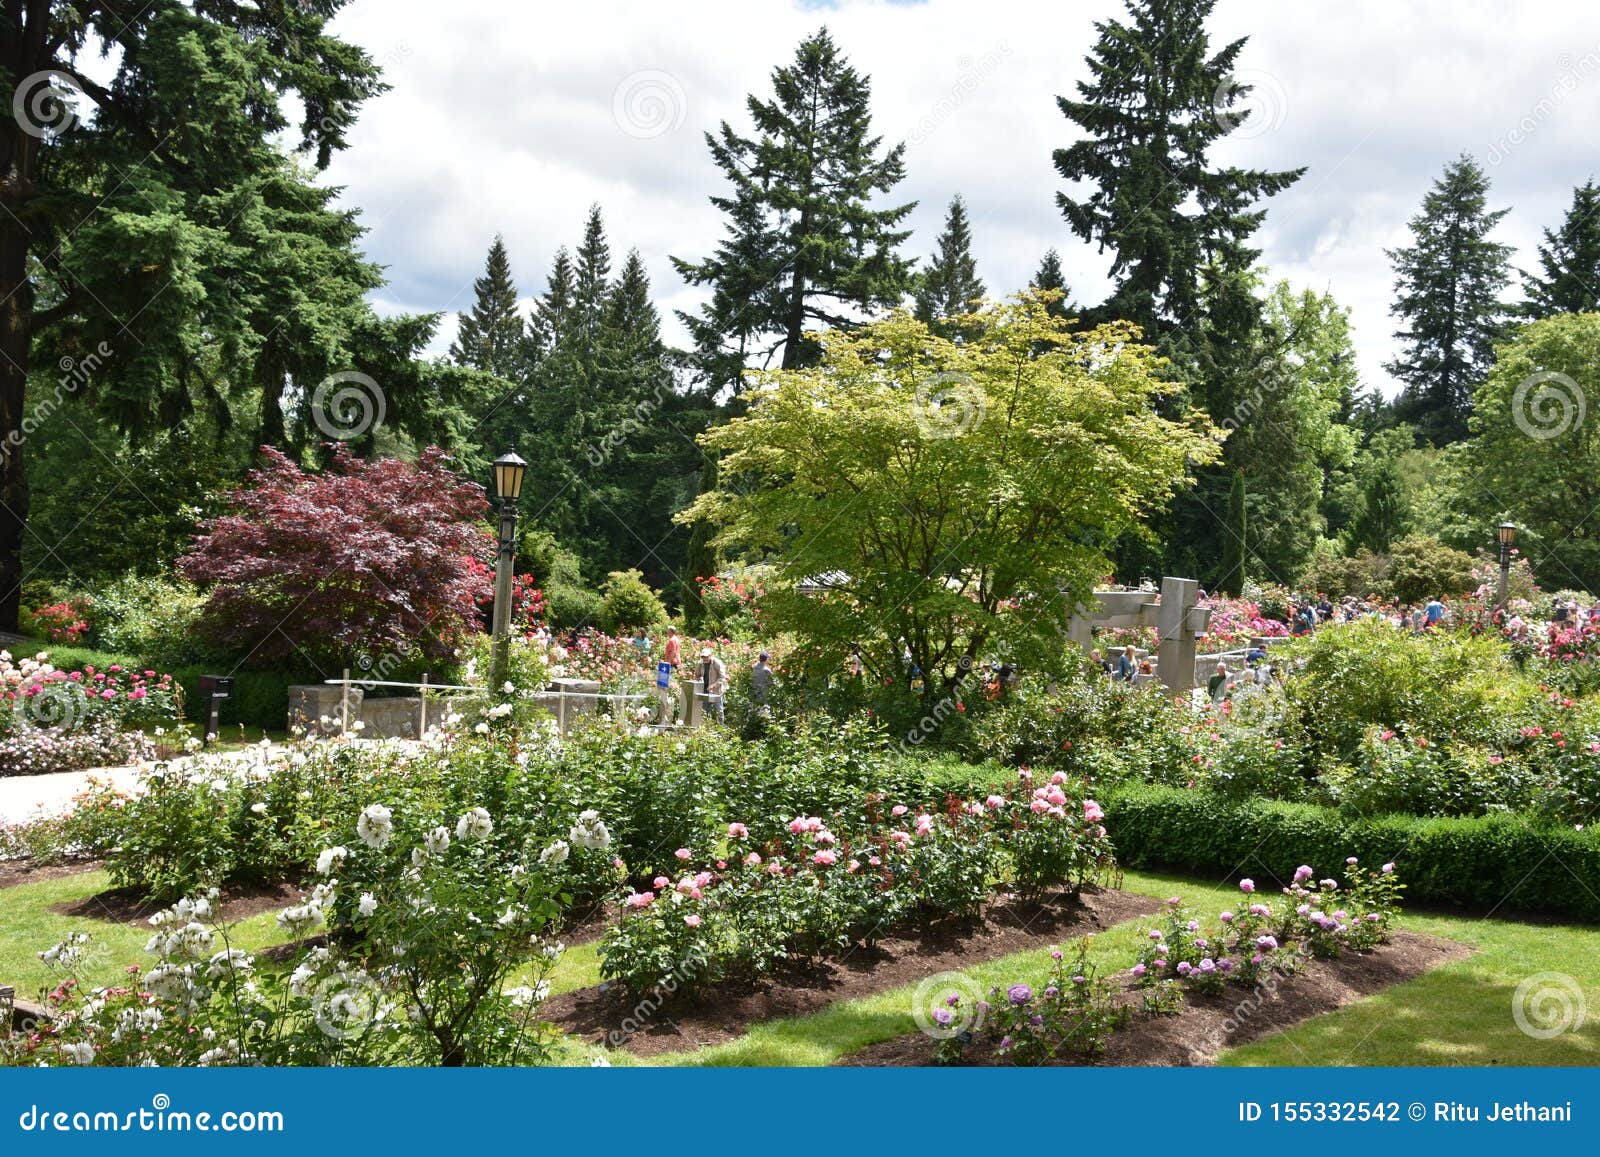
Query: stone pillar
x,y
1175,663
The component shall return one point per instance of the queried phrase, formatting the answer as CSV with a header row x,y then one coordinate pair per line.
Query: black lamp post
x,y
509,471
1507,532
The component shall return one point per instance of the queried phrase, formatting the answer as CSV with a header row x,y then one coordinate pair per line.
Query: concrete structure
x,y
1176,618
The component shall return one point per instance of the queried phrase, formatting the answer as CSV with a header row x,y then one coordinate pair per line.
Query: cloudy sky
x,y
514,117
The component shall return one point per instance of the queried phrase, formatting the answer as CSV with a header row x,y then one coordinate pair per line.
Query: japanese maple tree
x,y
369,556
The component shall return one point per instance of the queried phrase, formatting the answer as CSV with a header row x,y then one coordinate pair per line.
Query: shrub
x,y
63,622
627,604
1072,1014
369,556
1501,862
151,617
1421,568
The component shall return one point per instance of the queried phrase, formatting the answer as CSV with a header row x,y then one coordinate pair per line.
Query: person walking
x,y
672,650
760,679
1217,686
713,677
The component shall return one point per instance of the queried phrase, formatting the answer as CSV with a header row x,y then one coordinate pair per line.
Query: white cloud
x,y
502,118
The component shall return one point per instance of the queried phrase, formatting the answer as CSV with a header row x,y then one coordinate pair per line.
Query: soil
x,y
14,872
607,1015
134,906
1211,1022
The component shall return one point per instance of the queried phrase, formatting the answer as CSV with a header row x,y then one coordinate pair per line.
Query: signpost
x,y
664,675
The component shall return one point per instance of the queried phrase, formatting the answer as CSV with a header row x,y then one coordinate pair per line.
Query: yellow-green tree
x,y
953,500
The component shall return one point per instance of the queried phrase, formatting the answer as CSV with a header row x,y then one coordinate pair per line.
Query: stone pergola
x,y
1177,619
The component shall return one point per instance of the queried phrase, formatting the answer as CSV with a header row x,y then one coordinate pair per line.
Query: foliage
x,y
152,617
1537,454
1071,1015
805,245
1448,283
1504,863
489,337
949,287
1421,568
1569,260
370,556
64,622
627,603
938,527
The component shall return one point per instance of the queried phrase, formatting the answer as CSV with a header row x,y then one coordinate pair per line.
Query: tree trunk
x,y
796,324
16,328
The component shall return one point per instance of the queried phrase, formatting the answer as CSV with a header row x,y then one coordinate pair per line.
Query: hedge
x,y
259,699
1503,862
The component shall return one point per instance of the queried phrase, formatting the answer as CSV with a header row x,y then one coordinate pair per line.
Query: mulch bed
x,y
1211,1022
604,1014
14,872
133,905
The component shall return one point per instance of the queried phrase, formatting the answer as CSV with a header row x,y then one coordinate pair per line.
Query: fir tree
x,y
805,244
1570,259
552,313
1154,104
1448,284
491,336
591,274
1231,576
1381,518
1049,277
950,285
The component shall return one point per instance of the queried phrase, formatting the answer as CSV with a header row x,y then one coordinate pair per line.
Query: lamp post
x,y
509,471
1507,532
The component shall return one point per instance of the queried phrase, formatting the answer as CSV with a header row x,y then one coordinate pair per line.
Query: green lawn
x,y
1459,1013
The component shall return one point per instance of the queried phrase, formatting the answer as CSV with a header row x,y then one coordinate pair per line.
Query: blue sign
x,y
663,675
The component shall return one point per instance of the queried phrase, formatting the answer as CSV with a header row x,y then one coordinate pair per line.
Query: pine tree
x,y
800,214
1570,259
1231,576
1050,277
950,285
629,313
1381,519
552,313
591,274
1154,105
491,336
1447,285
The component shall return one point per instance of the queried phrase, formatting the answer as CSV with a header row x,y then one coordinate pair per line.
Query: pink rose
x,y
682,853
692,921
737,831
1091,812
824,857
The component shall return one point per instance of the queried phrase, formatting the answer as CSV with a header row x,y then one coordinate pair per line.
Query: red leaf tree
x,y
373,557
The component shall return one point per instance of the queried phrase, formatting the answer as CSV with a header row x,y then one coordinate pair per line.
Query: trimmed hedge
x,y
1501,862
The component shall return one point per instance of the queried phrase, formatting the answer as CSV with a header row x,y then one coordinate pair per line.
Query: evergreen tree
x,y
552,313
132,226
1448,284
804,246
591,274
1570,259
1050,277
1230,580
491,337
950,285
1381,518
1154,104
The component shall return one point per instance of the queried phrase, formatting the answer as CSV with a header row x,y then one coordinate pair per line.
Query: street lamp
x,y
1507,532
509,471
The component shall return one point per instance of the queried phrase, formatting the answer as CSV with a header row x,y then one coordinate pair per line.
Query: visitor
x,y
713,676
1100,661
1218,683
1433,612
1325,610
641,644
760,679
672,652
858,666
1127,664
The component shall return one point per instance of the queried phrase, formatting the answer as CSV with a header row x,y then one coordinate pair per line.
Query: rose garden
x,y
898,674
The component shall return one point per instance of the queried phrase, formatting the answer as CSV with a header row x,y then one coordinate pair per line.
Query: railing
x,y
561,695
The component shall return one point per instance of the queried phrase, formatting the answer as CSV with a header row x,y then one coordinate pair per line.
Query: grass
x,y
1457,1014
27,926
